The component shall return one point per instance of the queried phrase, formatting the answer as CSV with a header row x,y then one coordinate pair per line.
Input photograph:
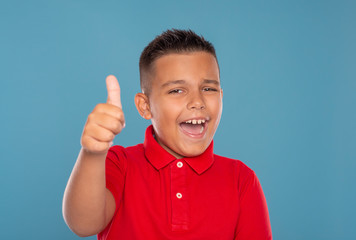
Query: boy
x,y
172,186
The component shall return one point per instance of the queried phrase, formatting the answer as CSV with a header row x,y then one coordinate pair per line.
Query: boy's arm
x,y
254,220
88,206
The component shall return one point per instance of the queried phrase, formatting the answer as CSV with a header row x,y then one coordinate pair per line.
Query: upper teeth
x,y
200,121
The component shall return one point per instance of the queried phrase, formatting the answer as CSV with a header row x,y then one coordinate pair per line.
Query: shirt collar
x,y
160,158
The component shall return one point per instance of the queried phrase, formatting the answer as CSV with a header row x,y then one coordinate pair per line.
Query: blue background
x,y
288,69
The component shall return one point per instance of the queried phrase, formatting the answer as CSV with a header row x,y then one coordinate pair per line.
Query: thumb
x,y
113,87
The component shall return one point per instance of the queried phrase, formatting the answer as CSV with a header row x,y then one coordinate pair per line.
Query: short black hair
x,y
171,41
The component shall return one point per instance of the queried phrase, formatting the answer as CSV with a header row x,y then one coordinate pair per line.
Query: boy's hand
x,y
105,121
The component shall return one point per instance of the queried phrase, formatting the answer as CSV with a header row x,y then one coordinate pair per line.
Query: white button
x,y
179,195
179,164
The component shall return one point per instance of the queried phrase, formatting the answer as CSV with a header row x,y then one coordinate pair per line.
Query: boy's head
x,y
170,41
180,81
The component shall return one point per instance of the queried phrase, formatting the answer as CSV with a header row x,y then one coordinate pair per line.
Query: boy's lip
x,y
206,119
204,124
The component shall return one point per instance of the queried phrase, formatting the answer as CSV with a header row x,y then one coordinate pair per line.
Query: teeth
x,y
202,129
200,121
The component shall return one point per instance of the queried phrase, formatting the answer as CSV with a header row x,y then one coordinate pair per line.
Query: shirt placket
x,y
179,196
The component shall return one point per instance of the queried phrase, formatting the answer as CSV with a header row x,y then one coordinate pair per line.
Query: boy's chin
x,y
191,152
185,150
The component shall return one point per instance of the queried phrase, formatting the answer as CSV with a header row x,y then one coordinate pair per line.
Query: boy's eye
x,y
209,89
175,91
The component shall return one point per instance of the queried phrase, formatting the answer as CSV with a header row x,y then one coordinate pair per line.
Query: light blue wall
x,y
288,70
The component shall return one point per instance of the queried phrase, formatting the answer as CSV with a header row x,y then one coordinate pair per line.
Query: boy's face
x,y
185,102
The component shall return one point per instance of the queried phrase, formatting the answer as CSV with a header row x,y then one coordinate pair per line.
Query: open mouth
x,y
194,127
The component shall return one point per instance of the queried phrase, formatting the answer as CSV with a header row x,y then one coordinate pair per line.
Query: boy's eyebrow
x,y
173,82
183,81
216,82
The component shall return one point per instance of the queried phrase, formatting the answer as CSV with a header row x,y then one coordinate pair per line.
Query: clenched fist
x,y
105,121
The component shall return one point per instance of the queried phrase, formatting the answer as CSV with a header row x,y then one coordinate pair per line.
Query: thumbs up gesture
x,y
105,121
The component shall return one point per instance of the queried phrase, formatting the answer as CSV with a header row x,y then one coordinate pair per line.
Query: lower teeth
x,y
202,129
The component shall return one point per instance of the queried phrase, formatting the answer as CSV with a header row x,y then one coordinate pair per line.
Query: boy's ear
x,y
143,106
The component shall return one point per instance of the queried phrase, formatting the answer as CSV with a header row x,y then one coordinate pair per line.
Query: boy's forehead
x,y
183,56
185,65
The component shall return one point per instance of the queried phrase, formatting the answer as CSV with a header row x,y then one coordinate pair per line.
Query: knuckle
x,y
91,116
112,136
118,113
108,136
115,125
99,107
88,129
89,144
84,141
121,115
99,147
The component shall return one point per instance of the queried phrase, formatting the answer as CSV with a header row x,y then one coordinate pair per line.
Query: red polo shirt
x,y
204,197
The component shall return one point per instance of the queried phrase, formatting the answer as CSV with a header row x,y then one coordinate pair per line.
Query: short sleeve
x,y
253,222
115,170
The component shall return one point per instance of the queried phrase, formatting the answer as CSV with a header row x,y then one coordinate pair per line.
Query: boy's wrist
x,y
90,154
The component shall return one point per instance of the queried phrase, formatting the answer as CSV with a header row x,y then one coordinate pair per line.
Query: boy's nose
x,y
196,102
